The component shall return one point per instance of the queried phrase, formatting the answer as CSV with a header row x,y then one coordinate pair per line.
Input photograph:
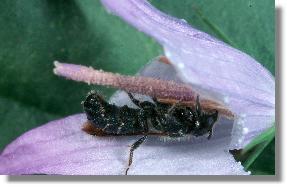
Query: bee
x,y
150,118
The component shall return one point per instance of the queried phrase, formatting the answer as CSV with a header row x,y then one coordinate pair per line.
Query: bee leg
x,y
210,134
143,119
197,106
133,147
134,100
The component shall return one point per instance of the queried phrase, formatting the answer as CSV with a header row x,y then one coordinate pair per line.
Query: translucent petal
x,y
208,64
60,147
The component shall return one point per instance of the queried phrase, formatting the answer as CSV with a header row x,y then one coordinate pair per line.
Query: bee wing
x,y
89,128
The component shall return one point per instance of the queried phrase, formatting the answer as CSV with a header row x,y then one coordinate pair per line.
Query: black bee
x,y
150,118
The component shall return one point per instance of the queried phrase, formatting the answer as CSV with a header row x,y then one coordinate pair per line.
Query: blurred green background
x,y
35,33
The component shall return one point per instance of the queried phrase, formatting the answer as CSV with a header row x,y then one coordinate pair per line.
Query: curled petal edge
x,y
241,82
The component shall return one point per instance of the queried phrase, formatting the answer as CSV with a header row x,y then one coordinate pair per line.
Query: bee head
x,y
203,122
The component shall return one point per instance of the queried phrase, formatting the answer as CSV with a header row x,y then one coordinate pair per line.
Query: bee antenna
x,y
197,106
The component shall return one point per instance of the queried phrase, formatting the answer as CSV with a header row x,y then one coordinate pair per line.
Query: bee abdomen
x,y
94,107
110,118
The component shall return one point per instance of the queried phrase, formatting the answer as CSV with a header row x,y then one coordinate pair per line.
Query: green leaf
x,y
264,164
258,151
266,136
259,155
217,32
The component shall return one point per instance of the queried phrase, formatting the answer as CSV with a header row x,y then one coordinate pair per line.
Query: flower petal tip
x,y
57,65
245,86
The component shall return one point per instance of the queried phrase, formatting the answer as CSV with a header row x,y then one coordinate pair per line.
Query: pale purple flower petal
x,y
210,65
60,147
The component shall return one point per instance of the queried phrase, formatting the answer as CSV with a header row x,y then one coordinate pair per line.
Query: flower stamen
x,y
165,91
